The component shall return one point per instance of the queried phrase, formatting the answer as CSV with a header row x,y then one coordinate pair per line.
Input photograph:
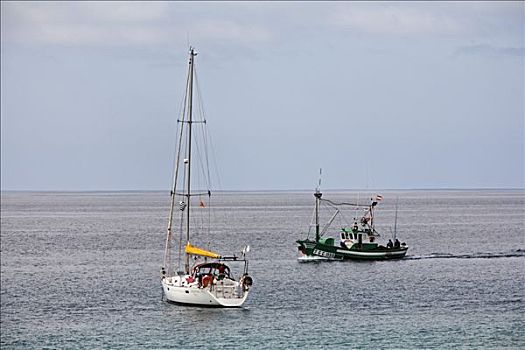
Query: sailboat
x,y
357,242
207,278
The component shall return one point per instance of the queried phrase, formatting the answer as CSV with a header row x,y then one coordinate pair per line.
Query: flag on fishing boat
x,y
379,197
201,204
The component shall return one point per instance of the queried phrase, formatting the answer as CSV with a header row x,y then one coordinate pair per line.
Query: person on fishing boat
x,y
397,244
389,244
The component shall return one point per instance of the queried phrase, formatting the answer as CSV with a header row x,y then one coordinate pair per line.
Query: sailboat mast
x,y
188,163
167,252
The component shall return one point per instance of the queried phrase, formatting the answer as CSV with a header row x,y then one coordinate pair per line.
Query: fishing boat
x,y
359,241
207,277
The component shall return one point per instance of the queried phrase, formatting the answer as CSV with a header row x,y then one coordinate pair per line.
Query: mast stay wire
x,y
204,161
182,112
341,215
210,153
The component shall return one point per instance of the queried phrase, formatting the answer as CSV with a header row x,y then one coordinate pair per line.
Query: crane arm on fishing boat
x,y
343,203
329,222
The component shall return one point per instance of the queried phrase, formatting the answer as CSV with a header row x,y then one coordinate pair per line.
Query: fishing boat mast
x,y
317,196
395,220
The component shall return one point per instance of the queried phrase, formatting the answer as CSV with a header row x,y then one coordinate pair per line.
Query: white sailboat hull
x,y
226,294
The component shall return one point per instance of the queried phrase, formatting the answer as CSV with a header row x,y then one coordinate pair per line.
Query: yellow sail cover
x,y
197,251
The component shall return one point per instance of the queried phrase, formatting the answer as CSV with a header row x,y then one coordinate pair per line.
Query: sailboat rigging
x,y
206,283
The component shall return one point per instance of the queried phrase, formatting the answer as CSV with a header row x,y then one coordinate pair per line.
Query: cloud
x,y
230,30
489,50
249,24
123,24
83,23
429,18
380,18
41,13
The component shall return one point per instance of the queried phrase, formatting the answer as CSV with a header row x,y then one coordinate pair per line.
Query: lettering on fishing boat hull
x,y
323,253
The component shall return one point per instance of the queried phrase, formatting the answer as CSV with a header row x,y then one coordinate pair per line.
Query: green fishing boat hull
x,y
366,251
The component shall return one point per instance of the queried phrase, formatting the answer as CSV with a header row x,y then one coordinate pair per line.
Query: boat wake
x,y
519,253
313,258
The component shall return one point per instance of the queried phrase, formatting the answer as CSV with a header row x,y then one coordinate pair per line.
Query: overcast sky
x,y
380,95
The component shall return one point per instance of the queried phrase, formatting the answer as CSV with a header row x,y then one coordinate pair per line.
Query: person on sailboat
x,y
397,244
389,244
222,272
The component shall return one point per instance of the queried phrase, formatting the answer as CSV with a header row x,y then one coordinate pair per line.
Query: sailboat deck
x,y
227,289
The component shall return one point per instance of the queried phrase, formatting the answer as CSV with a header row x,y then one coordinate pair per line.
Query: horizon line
x,y
275,190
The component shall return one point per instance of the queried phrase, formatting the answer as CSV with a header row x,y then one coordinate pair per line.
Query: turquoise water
x,y
81,270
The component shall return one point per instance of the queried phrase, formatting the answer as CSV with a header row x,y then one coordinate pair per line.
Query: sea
x,y
81,270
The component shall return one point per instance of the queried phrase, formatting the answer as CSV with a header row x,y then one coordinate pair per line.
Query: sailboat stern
x,y
209,284
185,290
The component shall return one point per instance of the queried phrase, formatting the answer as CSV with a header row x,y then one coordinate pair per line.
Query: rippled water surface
x,y
81,270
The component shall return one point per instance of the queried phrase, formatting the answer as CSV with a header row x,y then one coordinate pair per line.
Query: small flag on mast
x,y
201,204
